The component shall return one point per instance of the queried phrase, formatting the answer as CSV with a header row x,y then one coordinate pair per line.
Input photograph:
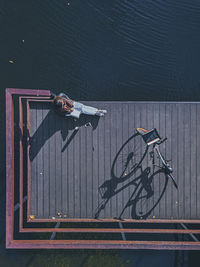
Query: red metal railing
x,y
71,244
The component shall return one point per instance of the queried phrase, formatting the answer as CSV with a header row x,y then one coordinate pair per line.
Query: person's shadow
x,y
53,123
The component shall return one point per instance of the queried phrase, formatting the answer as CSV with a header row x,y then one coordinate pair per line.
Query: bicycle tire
x,y
129,157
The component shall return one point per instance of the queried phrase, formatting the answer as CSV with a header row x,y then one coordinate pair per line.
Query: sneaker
x,y
101,112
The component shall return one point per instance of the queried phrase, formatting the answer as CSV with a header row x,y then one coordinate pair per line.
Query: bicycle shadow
x,y
126,156
144,201
53,123
143,191
123,172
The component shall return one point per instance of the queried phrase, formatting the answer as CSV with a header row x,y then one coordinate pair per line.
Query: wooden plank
x,y
161,176
193,161
65,168
107,153
95,168
101,158
82,173
58,164
181,160
131,129
134,145
34,197
168,156
187,162
145,163
52,162
156,180
71,181
125,191
89,171
174,158
149,126
77,168
198,161
121,161
40,156
46,158
114,149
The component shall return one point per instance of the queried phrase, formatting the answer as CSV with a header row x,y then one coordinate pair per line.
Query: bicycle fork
x,y
167,168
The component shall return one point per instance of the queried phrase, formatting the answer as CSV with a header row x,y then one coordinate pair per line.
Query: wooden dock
x,y
83,191
75,174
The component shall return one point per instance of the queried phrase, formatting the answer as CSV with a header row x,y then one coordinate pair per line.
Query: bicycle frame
x,y
156,142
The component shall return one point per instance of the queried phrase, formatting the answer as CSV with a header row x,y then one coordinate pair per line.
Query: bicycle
x,y
133,152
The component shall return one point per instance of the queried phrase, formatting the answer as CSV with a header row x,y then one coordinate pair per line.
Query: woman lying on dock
x,y
67,107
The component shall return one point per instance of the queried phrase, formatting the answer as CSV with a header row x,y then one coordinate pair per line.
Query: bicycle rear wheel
x,y
129,157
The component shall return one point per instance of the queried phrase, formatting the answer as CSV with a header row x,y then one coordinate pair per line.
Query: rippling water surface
x,y
103,50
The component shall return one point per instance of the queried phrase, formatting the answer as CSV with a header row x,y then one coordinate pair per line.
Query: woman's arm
x,y
64,95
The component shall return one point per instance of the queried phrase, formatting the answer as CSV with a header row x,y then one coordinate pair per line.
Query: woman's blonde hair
x,y
59,102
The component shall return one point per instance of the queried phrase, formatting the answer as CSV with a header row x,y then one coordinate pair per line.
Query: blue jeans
x,y
80,108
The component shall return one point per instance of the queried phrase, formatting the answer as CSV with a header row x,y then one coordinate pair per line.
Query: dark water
x,y
99,50
103,50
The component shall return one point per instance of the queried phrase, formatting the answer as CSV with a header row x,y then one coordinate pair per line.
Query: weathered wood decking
x,y
68,167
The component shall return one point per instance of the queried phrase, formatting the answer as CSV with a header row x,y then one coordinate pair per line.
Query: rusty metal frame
x,y
89,244
102,244
10,155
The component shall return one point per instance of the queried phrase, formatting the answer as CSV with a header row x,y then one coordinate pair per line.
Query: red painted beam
x,y
103,244
38,92
9,168
110,230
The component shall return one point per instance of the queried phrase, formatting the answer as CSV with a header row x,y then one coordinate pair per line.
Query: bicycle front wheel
x,y
129,157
